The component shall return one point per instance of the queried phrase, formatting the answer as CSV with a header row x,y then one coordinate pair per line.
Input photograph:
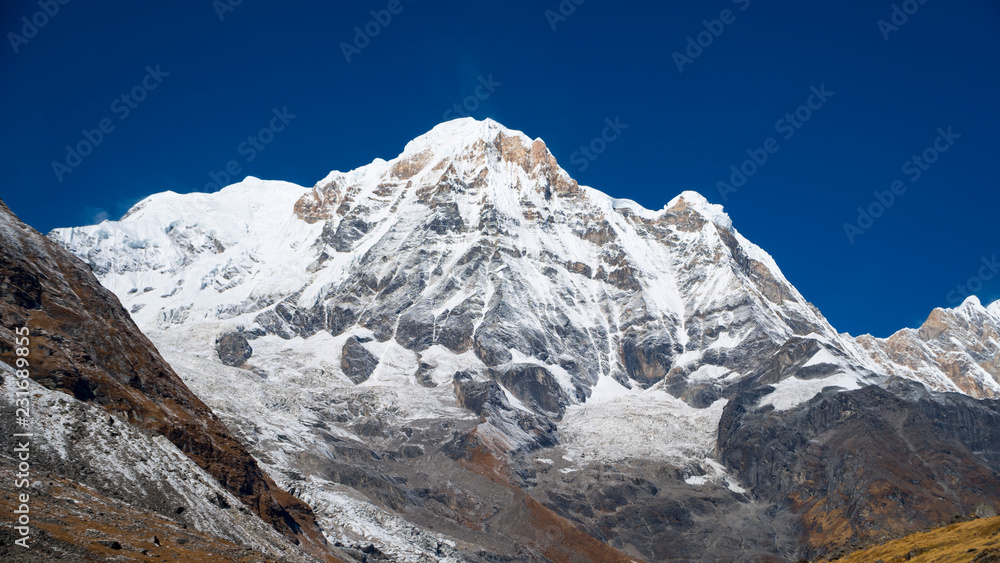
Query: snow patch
x,y
823,356
608,389
792,391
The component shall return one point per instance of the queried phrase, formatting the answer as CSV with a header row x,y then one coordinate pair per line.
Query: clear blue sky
x,y
607,59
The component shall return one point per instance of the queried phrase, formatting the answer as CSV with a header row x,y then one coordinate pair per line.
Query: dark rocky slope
x,y
857,467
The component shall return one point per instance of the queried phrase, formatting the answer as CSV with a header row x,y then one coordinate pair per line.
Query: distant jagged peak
x,y
975,311
971,308
941,318
971,303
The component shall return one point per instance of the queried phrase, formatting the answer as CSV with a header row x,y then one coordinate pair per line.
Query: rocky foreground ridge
x,y
114,423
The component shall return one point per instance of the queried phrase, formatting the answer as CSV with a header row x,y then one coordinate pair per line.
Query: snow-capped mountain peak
x,y
477,228
711,211
452,137
971,303
477,218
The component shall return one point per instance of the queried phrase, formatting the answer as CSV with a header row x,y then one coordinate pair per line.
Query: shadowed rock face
x,y
487,399
84,343
357,362
648,357
233,349
534,386
856,466
647,511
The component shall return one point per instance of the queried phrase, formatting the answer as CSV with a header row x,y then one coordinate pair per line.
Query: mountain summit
x,y
408,344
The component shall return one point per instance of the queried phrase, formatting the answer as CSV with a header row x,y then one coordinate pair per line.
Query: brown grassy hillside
x,y
976,541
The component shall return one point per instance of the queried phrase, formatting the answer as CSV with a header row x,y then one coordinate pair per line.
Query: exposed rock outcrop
x,y
233,348
356,361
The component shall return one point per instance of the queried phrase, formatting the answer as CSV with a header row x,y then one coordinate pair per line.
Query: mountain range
x,y
461,354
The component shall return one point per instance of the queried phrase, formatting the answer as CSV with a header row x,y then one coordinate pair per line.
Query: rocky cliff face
x,y
88,356
414,345
866,465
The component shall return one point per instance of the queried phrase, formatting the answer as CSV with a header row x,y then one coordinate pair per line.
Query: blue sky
x,y
197,84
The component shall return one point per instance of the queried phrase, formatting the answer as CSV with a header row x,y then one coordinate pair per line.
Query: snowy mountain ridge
x,y
266,253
